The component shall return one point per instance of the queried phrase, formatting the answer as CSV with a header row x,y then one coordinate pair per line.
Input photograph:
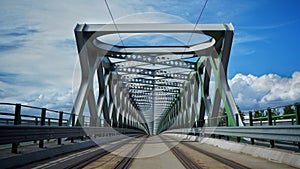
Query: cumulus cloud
x,y
38,50
255,92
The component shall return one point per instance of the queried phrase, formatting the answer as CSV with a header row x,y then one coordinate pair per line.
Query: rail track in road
x,y
122,154
181,156
221,159
120,158
128,160
191,163
81,158
185,160
124,163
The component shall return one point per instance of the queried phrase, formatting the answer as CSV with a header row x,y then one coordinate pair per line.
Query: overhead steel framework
x,y
154,88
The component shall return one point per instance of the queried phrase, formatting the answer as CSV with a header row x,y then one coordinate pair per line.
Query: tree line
x,y
287,110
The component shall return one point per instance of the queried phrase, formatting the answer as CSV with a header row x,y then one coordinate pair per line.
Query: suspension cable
x,y
198,19
116,27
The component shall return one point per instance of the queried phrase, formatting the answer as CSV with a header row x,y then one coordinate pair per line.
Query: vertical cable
x,y
198,19
116,27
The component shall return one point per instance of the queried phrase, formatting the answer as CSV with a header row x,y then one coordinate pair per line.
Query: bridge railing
x,y
18,114
290,133
281,115
18,134
270,126
23,123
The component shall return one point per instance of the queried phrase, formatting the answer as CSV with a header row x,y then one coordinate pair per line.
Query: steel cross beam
x,y
151,73
150,59
158,82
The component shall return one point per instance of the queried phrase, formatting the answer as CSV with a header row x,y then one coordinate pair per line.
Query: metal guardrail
x,y
18,119
17,134
270,116
273,133
45,117
18,127
8,119
280,133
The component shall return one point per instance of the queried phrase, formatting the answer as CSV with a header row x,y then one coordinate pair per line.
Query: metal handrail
x,y
273,107
30,116
33,107
280,133
17,134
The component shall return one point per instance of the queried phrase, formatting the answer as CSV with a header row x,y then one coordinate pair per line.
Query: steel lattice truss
x,y
153,88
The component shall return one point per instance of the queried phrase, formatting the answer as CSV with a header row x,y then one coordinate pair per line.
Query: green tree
x,y
275,112
258,113
288,110
263,113
222,120
242,114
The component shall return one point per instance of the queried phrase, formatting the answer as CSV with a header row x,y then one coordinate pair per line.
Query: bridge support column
x,y
89,62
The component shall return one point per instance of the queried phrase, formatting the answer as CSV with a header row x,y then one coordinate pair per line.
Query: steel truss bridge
x,y
155,88
177,90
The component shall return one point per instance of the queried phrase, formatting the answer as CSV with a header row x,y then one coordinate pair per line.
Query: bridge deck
x,y
156,153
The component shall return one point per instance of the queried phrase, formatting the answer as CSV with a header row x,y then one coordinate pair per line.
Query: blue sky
x,y
267,39
38,51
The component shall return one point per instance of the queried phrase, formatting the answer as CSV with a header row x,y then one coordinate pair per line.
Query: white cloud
x,y
252,92
43,54
37,45
40,51
244,37
226,11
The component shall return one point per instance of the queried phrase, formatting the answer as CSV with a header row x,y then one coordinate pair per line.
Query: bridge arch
x,y
155,88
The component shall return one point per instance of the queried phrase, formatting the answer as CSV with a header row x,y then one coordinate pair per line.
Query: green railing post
x,y
43,120
270,123
17,121
49,123
82,125
226,121
297,107
260,122
251,124
60,121
227,124
238,139
36,123
83,121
